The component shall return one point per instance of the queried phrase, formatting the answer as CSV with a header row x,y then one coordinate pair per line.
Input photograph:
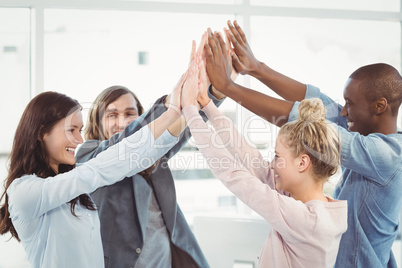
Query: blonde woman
x,y
306,225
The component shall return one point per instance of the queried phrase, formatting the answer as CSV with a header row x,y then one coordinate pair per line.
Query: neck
x,y
55,168
309,192
387,125
310,196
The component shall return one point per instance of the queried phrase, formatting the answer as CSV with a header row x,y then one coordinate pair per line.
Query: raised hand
x,y
200,49
175,96
203,84
190,87
230,52
217,64
243,58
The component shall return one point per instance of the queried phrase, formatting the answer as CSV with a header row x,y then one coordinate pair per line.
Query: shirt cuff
x,y
212,97
211,111
294,113
312,92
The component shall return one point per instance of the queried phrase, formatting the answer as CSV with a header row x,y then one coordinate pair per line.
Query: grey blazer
x,y
123,206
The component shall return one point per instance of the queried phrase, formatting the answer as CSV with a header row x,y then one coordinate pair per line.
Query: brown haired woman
x,y
46,203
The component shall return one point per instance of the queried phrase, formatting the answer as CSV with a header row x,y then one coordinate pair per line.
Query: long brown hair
x,y
94,129
29,155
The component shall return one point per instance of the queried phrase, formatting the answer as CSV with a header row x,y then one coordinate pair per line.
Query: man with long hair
x,y
141,223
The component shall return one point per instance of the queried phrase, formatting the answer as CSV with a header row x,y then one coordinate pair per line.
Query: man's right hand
x,y
242,57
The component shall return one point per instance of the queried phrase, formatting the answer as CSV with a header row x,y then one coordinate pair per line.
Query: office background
x,y
80,47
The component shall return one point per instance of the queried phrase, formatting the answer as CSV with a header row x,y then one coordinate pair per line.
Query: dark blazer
x,y
123,206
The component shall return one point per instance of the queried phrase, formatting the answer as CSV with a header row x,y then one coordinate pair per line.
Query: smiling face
x,y
62,140
119,114
358,111
285,167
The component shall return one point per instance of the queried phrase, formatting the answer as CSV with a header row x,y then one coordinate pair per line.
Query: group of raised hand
x,y
218,60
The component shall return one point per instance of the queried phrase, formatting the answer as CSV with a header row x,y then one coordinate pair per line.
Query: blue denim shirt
x,y
371,182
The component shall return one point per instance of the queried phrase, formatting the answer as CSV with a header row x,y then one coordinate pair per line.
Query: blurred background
x,y
80,47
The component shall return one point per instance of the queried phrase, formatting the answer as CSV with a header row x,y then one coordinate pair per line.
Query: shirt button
x,y
138,250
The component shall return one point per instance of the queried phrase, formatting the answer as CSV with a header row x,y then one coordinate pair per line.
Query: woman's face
x,y
285,166
119,114
63,139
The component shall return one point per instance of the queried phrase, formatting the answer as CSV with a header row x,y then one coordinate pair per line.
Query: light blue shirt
x,y
54,238
371,183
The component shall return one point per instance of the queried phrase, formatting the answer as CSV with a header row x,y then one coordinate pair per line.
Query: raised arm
x,y
246,63
272,109
234,142
171,119
284,214
91,148
32,196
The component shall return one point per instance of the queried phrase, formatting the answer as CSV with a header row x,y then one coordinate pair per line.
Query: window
x,y
373,5
15,76
145,46
14,70
88,51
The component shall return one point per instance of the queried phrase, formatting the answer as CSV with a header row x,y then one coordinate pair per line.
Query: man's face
x,y
118,115
358,111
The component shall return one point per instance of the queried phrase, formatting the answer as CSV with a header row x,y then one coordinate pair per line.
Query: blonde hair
x,y
310,134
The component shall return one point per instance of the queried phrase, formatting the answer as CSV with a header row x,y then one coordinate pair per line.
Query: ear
x,y
380,106
304,163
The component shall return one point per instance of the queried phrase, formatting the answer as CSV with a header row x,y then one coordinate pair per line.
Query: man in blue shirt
x,y
371,146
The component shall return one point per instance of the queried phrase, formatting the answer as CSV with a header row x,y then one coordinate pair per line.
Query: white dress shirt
x,y
51,235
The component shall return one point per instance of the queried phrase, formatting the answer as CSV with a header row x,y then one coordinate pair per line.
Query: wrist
x,y
257,70
173,112
195,103
214,92
224,88
204,101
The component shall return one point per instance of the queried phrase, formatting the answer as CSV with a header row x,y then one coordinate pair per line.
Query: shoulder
x,y
333,209
332,206
25,180
390,139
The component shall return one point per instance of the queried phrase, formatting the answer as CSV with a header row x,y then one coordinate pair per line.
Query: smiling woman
x,y
45,198
41,146
82,47
62,140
